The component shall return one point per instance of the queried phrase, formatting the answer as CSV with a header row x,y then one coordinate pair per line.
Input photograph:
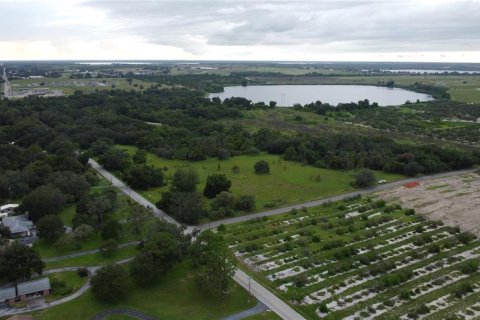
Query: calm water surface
x,y
288,95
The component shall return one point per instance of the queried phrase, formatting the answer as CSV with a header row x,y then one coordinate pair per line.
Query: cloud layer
x,y
253,30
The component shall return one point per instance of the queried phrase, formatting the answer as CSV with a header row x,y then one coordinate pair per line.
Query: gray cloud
x,y
366,26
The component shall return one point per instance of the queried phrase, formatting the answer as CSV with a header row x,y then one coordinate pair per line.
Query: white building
x,y
8,209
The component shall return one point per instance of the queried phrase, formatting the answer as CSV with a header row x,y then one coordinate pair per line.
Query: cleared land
x,y
288,183
69,86
454,200
361,259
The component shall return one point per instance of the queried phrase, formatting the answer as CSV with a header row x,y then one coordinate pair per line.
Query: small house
x,y
20,226
33,288
25,290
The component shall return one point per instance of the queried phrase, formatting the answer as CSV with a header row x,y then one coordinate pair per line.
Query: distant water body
x,y
288,95
430,71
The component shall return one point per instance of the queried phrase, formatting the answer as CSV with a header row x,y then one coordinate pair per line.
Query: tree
x,y
71,184
187,207
115,159
68,241
216,264
364,178
43,201
83,232
112,229
50,228
143,269
224,200
262,167
109,247
18,262
159,254
140,157
185,180
216,183
137,219
111,283
141,176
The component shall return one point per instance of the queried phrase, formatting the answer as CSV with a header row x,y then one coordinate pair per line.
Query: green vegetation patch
x,y
175,297
288,182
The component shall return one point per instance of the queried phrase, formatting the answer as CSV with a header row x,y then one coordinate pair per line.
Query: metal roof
x,y
33,286
7,293
9,206
17,224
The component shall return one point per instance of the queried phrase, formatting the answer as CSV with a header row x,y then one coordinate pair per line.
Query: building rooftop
x,y
9,206
17,224
7,293
33,286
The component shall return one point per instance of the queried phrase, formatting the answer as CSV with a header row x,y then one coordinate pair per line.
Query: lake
x,y
288,95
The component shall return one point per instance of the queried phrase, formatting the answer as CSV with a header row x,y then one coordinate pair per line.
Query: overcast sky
x,y
403,30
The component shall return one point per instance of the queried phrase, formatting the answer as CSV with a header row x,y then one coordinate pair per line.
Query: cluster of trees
x,y
134,170
348,151
186,204
326,108
164,246
19,262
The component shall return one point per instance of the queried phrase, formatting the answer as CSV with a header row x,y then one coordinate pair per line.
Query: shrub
x,y
469,266
409,212
465,237
82,272
262,167
364,178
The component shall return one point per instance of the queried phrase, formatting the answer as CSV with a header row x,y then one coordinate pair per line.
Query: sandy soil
x,y
454,200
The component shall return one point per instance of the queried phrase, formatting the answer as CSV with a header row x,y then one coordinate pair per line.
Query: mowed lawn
x,y
288,182
174,297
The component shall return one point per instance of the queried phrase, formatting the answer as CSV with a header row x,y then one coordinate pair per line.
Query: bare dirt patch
x,y
454,200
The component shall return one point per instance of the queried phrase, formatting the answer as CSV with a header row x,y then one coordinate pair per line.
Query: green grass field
x,y
94,259
288,183
72,280
174,297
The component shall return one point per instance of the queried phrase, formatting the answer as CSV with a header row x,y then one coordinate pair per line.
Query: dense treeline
x,y
187,127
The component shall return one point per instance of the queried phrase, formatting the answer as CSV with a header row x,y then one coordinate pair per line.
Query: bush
x,y
82,272
465,237
469,266
410,212
262,167
245,203
365,178
60,287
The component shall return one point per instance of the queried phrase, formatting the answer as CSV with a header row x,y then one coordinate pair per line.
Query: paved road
x,y
130,192
83,253
318,202
266,297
